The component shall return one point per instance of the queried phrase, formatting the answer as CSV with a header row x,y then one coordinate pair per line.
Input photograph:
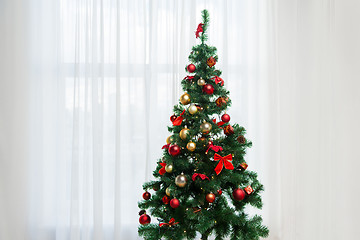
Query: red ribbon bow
x,y
214,148
162,170
218,80
199,30
189,77
223,161
219,123
202,176
166,146
179,119
171,223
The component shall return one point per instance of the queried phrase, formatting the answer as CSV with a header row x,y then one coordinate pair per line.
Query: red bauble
x,y
208,89
228,130
174,150
191,68
238,194
146,195
174,203
144,219
166,199
219,192
225,118
210,197
172,118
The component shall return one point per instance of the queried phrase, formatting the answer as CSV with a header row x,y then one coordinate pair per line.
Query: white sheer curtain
x,y
87,89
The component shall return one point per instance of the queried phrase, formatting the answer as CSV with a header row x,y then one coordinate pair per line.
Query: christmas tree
x,y
203,182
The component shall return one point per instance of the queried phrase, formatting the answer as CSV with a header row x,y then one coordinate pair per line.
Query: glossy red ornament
x,y
208,89
210,197
238,194
228,130
174,150
172,118
166,199
191,68
174,203
225,118
144,219
146,195
219,192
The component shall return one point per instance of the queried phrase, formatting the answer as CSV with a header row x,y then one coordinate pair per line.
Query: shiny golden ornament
x,y
169,168
169,139
181,180
201,82
167,191
185,99
184,133
192,109
191,146
205,127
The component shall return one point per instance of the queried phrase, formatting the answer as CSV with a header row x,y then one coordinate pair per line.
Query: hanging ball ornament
x,y
185,99
146,195
211,61
144,219
169,139
210,197
238,194
174,203
201,82
208,89
228,130
172,118
191,68
225,118
169,168
184,133
166,199
181,180
193,109
167,191
205,127
191,146
174,150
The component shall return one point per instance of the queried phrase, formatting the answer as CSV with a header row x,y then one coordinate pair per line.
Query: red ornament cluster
x,y
166,199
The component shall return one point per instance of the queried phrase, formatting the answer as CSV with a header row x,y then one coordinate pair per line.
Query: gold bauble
x,y
201,82
193,109
169,139
191,146
167,191
185,99
169,168
181,180
205,127
184,133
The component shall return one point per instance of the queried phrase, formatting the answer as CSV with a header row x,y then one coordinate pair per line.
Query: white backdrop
x,y
87,88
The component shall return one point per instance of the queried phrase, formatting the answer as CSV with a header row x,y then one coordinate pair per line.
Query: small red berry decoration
x,y
210,197
191,68
174,203
238,194
166,199
144,219
174,150
208,89
219,192
146,195
225,118
211,61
